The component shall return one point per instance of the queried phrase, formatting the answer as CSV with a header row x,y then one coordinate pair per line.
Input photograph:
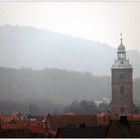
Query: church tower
x,y
122,85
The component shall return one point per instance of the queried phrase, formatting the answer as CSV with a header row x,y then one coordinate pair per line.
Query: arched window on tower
x,y
121,90
121,75
121,61
122,109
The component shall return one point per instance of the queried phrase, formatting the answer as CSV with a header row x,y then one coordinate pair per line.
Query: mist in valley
x,y
46,72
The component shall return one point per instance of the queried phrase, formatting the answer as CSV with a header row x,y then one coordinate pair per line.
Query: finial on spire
x,y
121,37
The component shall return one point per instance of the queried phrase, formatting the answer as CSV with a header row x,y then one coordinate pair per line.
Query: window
x,y
121,61
121,90
121,55
122,109
121,75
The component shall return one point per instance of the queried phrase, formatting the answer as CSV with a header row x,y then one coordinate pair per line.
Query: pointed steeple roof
x,y
121,62
121,47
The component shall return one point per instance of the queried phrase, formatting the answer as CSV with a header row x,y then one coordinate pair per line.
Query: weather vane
x,y
121,37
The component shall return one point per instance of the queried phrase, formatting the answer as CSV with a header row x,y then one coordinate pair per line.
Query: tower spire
x,y
122,85
121,50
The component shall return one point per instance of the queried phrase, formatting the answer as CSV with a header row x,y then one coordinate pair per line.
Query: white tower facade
x,y
122,85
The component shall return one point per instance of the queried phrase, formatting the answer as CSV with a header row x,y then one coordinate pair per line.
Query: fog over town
x,y
69,69
58,55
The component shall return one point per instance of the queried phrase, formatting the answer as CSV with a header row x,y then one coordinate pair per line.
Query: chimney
x,y
123,120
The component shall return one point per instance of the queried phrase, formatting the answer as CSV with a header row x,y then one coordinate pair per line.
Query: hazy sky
x,y
98,21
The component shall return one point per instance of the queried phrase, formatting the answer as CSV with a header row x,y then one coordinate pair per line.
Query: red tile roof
x,y
56,121
136,117
101,120
35,128
7,118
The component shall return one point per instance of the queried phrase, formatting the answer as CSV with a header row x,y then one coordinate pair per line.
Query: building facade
x,y
122,85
